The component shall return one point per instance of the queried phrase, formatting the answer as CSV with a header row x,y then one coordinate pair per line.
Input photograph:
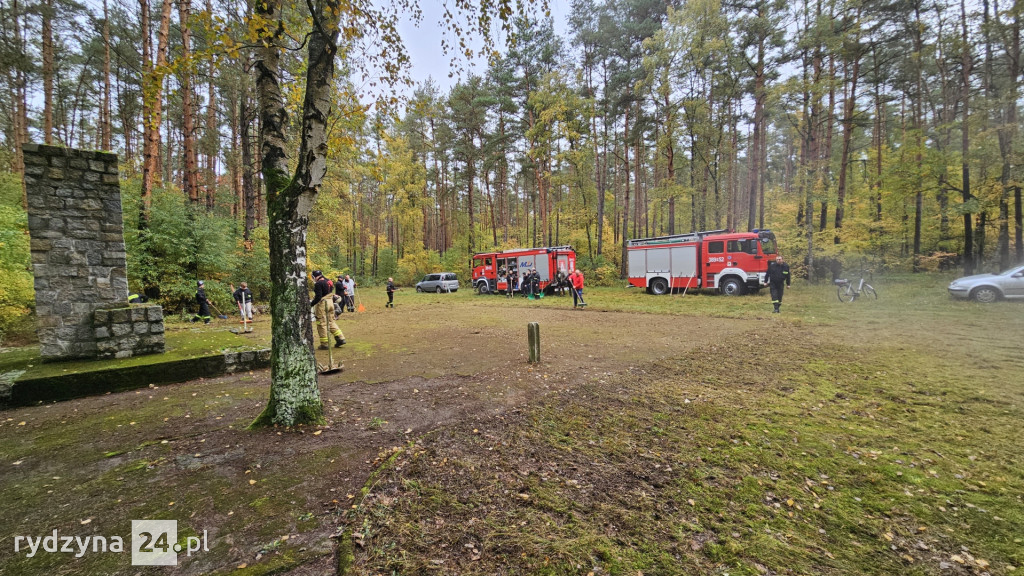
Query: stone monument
x,y
78,258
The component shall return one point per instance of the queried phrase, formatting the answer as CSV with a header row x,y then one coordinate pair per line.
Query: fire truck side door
x,y
714,259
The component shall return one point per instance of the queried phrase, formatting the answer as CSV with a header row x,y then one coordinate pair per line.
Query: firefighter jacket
x,y
204,304
320,290
777,273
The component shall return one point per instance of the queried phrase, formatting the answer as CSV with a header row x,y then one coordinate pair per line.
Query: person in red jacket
x,y
576,279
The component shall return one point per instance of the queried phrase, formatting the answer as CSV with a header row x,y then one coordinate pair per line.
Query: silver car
x,y
990,287
439,282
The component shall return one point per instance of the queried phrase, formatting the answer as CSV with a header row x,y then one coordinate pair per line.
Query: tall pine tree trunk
x,y
625,206
190,169
965,141
755,142
849,108
210,133
47,31
105,110
1006,97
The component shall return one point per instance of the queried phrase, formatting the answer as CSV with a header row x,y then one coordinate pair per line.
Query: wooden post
x,y
533,334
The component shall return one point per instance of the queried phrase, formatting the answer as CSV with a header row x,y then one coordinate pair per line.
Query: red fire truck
x,y
491,269
734,263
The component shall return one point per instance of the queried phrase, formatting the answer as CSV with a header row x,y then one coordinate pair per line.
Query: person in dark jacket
x,y
391,293
203,303
243,299
776,278
322,312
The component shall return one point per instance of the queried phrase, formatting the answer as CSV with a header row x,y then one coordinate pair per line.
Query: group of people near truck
x,y
528,284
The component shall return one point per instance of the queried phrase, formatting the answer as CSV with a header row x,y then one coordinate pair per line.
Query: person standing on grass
x,y
203,303
243,298
576,281
776,278
350,293
391,293
320,304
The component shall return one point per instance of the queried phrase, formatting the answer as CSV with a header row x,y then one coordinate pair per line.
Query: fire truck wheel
x,y
731,286
659,286
481,288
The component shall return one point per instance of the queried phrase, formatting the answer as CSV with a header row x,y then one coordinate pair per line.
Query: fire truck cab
x,y
491,270
734,263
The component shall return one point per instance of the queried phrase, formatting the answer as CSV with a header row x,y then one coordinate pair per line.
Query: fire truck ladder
x,y
689,237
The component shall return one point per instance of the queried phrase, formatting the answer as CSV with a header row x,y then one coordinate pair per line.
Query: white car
x,y
990,287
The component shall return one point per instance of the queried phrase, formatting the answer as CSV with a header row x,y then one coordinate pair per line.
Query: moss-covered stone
x,y
45,389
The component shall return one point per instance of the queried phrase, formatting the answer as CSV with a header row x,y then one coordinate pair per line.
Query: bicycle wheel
x,y
845,293
869,292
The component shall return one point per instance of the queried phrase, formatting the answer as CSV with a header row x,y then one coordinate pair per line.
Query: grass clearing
x,y
855,439
691,434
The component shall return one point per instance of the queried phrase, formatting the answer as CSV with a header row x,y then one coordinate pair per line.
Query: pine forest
x,y
863,133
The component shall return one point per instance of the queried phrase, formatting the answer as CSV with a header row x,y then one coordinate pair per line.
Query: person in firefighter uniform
x,y
322,311
203,303
776,277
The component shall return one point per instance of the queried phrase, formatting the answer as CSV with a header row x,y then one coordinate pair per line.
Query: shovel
x,y
219,315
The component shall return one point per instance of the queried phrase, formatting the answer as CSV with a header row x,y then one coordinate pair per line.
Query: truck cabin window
x,y
768,246
716,247
742,246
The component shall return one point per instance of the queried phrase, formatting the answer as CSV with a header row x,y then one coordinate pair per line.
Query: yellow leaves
x,y
251,482
888,536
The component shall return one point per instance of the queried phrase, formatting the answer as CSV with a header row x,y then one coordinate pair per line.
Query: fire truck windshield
x,y
768,245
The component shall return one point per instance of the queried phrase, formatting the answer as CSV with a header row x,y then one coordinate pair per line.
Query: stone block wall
x,y
77,243
131,331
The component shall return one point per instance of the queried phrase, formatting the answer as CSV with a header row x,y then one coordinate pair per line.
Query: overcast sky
x,y
424,43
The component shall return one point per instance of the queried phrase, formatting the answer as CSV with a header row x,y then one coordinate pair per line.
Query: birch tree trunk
x,y
294,393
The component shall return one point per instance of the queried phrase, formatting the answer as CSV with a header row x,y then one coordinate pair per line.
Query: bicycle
x,y
849,291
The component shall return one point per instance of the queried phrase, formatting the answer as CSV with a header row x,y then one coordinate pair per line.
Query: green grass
x,y
866,438
875,437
